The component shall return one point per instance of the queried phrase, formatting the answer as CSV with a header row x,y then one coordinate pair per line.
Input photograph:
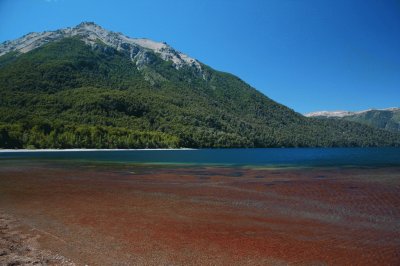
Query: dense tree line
x,y
67,94
63,137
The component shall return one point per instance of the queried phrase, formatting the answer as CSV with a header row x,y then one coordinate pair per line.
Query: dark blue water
x,y
255,157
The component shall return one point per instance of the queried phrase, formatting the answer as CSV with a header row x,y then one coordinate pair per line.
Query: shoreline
x,y
73,150
19,245
192,149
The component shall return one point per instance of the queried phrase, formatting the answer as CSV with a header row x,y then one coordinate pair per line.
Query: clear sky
x,y
307,54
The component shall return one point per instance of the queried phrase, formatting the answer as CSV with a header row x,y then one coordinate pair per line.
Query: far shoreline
x,y
72,150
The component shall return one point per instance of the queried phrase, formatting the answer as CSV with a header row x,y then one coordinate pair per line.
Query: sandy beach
x,y
147,215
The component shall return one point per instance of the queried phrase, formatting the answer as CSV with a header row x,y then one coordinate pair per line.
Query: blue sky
x,y
309,55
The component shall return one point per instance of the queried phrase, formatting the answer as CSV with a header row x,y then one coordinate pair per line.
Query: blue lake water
x,y
307,157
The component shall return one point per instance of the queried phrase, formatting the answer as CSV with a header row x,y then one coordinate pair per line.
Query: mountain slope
x,y
88,87
388,119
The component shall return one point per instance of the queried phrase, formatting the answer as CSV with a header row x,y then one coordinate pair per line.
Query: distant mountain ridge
x,y
388,119
87,87
347,113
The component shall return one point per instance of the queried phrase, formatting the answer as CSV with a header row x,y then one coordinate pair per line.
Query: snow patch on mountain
x,y
346,113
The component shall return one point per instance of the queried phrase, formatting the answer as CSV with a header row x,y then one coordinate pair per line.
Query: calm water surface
x,y
307,157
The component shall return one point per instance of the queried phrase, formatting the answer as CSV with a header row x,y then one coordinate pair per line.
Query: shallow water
x,y
196,207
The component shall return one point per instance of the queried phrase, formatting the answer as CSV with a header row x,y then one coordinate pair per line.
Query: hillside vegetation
x,y
384,119
67,94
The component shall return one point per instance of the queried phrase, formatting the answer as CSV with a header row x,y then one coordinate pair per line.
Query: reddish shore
x,y
159,215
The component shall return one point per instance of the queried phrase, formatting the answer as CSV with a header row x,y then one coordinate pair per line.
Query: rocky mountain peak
x,y
87,24
91,33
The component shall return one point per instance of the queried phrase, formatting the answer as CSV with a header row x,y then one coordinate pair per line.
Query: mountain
x,y
388,119
92,88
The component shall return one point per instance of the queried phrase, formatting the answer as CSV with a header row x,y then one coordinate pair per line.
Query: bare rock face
x,y
92,34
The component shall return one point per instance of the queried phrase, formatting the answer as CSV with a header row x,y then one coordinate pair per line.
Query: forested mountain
x,y
388,119
86,87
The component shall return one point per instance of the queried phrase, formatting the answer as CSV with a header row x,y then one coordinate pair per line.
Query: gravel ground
x,y
17,247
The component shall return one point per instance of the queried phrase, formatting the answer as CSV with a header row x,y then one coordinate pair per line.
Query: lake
x,y
195,207
307,157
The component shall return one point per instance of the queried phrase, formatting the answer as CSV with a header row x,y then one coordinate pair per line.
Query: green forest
x,y
67,94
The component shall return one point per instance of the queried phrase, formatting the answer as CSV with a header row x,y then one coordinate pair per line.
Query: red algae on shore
x,y
155,215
